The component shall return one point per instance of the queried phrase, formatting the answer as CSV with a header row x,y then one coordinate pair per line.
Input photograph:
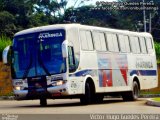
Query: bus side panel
x,y
145,68
113,72
87,67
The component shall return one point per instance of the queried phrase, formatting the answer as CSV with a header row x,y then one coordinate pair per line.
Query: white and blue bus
x,y
73,60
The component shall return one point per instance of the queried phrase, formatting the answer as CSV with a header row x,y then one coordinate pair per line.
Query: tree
x,y
7,25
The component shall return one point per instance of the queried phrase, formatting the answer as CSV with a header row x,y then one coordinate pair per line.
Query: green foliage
x,y
4,42
157,48
7,21
156,99
16,15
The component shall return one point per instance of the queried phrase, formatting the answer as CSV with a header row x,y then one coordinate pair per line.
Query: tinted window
x,y
38,54
135,44
71,59
127,44
143,45
132,41
83,40
112,42
89,40
97,42
109,41
115,43
122,43
149,43
102,40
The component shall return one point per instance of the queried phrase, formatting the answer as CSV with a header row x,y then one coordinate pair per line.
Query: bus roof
x,y
67,26
44,28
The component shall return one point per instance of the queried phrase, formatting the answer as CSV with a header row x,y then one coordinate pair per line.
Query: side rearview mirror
x,y
6,55
65,49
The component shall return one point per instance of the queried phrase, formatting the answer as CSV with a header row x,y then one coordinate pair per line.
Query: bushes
x,y
157,48
4,41
5,77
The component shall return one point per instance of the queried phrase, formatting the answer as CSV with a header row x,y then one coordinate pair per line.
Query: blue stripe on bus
x,y
84,73
94,73
144,72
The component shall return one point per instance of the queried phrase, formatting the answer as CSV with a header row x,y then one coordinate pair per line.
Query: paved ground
x,y
72,106
110,109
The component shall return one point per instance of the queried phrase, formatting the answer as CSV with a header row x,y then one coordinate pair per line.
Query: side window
x,y
122,43
143,45
83,40
96,40
109,42
89,40
132,41
99,41
149,44
127,43
86,40
135,44
103,42
112,42
71,59
115,43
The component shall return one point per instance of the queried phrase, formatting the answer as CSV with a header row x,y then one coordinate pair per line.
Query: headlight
x,y
18,87
58,83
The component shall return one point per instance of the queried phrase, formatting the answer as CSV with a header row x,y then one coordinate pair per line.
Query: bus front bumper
x,y
51,92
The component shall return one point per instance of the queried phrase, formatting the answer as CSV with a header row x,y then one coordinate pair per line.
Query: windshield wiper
x,y
42,64
28,68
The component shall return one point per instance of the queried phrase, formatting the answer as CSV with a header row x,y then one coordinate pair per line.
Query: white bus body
x,y
98,61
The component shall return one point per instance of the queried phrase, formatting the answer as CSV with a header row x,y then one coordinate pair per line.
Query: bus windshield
x,y
38,54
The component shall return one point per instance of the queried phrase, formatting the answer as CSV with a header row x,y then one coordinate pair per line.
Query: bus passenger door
x,y
71,59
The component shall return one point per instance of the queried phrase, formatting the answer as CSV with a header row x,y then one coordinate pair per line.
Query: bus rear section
x,y
115,62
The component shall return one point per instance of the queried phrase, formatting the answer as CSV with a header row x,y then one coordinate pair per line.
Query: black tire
x,y
43,102
98,98
132,95
86,98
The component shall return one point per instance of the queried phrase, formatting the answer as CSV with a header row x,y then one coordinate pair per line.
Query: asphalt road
x,y
72,106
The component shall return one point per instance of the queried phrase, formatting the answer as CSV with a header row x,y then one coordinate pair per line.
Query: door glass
x,y
71,59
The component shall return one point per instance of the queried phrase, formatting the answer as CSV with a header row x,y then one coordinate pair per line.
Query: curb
x,y
153,103
6,97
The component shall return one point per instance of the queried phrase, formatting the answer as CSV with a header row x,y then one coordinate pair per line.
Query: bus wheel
x,y
132,95
43,102
86,98
98,98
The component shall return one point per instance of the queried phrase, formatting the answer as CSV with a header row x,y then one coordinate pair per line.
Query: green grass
x,y
4,42
150,92
156,99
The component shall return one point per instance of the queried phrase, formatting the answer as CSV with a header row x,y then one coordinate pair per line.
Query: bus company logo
x,y
144,64
49,35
